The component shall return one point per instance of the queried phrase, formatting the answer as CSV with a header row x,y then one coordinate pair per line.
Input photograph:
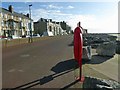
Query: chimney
x,y
50,20
10,8
41,19
28,15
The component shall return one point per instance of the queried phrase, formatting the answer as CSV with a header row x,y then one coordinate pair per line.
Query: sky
x,y
97,17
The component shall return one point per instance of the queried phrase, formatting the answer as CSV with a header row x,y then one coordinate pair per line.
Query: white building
x,y
13,24
48,27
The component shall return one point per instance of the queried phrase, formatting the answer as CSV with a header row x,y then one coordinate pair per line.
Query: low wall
x,y
13,42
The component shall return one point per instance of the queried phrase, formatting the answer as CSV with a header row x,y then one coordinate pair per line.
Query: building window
x,y
50,28
20,25
11,24
14,24
6,24
2,23
11,17
29,26
20,19
5,15
12,32
1,15
8,16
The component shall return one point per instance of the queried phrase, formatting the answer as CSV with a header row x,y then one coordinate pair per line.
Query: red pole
x,y
80,56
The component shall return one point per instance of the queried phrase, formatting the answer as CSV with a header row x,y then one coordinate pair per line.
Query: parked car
x,y
4,37
36,35
27,36
23,36
16,37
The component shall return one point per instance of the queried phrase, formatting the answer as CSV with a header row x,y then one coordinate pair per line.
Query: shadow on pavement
x,y
96,59
59,69
64,66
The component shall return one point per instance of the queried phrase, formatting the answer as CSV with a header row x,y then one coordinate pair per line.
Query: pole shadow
x,y
59,69
64,66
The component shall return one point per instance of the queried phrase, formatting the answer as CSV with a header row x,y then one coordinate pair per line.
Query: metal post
x,y
30,38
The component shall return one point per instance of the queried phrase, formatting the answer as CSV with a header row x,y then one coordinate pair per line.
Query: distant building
x,y
85,31
65,27
47,27
14,24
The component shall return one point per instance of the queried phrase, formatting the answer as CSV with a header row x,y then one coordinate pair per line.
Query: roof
x,y
14,13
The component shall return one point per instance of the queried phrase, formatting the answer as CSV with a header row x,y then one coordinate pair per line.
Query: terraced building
x,y
13,24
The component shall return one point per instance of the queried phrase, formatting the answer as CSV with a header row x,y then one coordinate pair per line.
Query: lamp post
x,y
30,38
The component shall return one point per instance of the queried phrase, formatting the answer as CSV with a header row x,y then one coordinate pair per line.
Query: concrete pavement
x,y
107,66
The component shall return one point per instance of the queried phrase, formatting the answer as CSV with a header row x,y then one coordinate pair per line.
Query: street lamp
x,y
30,38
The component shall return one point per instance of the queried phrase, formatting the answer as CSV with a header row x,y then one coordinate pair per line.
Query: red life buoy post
x,y
78,44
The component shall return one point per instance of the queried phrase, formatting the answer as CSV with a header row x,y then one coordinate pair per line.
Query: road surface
x,y
46,62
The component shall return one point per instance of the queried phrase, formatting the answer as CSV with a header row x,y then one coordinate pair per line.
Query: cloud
x,y
70,7
54,11
94,23
43,13
26,1
59,16
51,6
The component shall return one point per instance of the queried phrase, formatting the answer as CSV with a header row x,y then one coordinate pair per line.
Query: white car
x,y
36,35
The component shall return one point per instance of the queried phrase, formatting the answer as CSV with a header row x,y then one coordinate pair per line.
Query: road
x,y
46,62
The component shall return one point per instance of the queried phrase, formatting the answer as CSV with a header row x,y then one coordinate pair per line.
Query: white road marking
x,y
12,70
25,55
20,70
15,70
